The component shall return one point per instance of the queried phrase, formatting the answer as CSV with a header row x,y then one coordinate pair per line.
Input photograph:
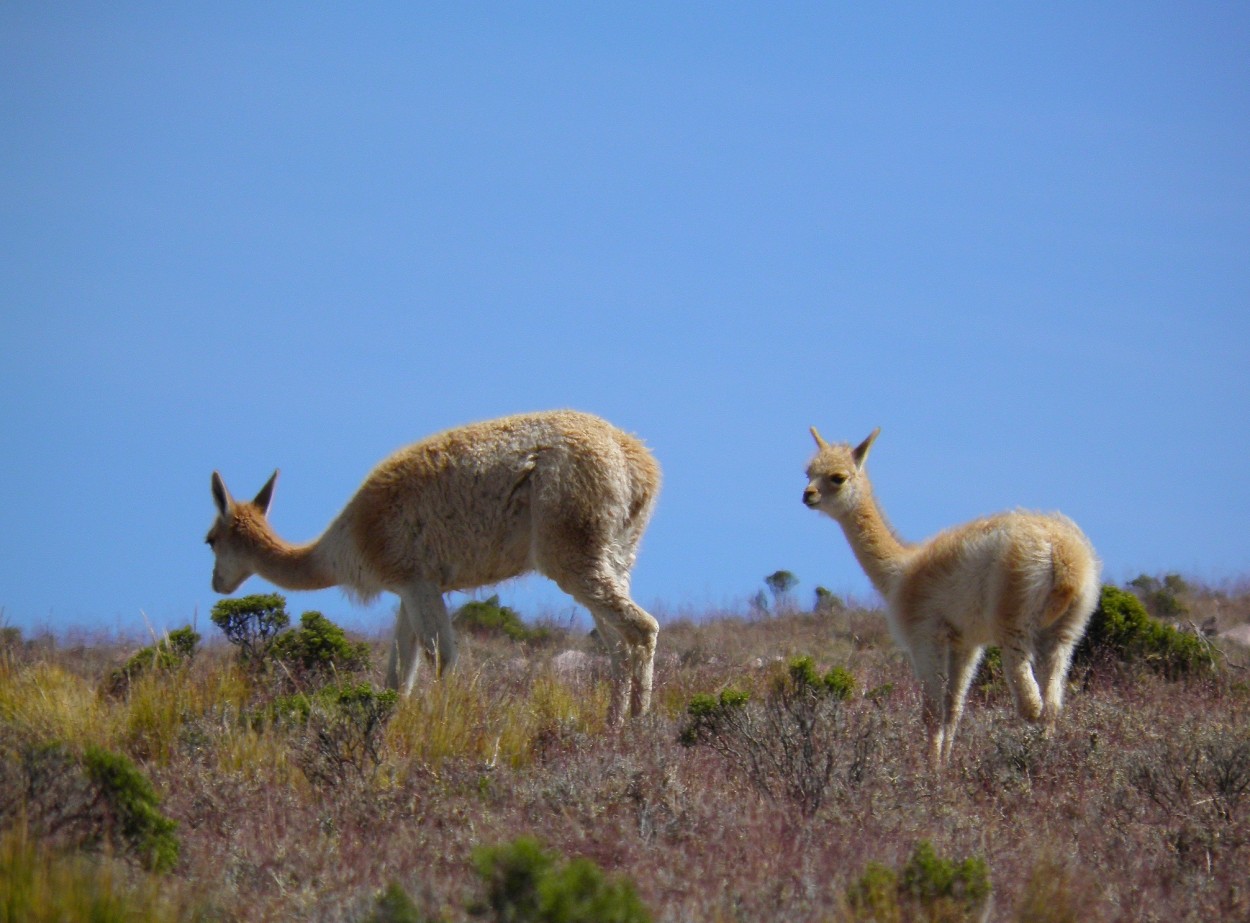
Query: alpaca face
x,y
836,482
229,535
229,567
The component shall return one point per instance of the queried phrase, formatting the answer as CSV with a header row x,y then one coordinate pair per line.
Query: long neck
x,y
292,567
876,546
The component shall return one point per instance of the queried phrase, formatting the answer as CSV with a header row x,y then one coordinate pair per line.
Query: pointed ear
x,y
265,497
221,496
820,443
860,453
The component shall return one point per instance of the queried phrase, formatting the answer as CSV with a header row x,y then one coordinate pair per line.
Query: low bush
x,y
319,650
175,649
528,884
252,623
791,744
87,799
928,887
340,730
488,617
1121,631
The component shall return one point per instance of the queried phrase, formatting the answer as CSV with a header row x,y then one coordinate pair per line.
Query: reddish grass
x,y
1073,828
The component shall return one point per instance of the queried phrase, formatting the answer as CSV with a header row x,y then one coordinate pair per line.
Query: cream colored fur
x,y
1025,582
562,493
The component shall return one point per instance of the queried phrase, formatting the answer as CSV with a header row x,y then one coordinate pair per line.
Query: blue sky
x,y
299,236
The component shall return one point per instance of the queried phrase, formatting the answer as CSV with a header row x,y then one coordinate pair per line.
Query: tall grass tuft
x,y
43,701
41,885
464,717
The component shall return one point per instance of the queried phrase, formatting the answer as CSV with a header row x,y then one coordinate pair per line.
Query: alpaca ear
x,y
860,453
265,497
820,443
221,496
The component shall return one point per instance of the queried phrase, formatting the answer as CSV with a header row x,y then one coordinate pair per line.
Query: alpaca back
x,y
460,509
1011,571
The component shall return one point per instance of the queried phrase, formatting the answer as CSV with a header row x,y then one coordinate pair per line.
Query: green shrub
x,y
488,617
340,729
252,624
707,715
395,906
794,743
525,882
801,677
319,649
1162,598
1122,631
173,650
84,799
927,888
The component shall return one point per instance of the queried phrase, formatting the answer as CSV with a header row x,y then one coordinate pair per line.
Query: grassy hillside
x,y
284,792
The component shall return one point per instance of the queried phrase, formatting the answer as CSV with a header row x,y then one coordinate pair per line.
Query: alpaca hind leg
x,y
403,662
1018,671
435,636
1054,656
614,644
606,595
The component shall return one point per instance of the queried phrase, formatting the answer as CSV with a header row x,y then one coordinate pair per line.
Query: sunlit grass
x,y
50,703
42,885
462,717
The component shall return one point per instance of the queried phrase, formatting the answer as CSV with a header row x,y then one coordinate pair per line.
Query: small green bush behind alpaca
x,y
319,649
1121,630
488,617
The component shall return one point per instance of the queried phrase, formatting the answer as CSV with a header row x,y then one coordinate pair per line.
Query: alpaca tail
x,y
1074,582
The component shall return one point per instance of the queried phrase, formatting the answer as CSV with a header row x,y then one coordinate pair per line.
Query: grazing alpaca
x,y
1023,581
562,493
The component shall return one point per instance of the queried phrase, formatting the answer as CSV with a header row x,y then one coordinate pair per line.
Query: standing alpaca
x,y
562,493
1023,581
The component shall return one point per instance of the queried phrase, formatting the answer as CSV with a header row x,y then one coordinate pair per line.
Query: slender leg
x,y
1018,669
402,663
961,666
632,636
1054,656
435,636
929,663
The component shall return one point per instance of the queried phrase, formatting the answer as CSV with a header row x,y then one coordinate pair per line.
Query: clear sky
x,y
276,235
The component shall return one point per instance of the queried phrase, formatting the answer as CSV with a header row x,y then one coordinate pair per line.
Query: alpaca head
x,y
233,536
836,480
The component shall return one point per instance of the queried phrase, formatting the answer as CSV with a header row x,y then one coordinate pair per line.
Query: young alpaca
x,y
562,493
1023,581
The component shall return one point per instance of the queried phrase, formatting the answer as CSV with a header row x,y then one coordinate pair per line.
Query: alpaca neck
x,y
876,547
293,567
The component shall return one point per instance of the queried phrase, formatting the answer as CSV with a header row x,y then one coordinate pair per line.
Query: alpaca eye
x,y
837,479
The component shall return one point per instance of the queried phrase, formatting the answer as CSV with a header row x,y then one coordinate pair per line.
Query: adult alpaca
x,y
1026,582
562,493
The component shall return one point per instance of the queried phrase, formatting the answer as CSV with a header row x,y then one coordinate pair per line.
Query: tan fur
x,y
1026,582
562,493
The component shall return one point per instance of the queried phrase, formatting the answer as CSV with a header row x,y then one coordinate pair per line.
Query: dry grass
x,y
1132,811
